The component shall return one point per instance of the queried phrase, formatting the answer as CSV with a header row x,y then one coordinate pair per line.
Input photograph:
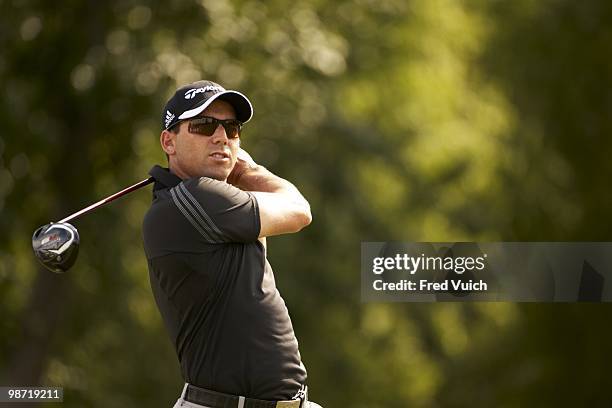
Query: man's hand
x,y
282,208
244,162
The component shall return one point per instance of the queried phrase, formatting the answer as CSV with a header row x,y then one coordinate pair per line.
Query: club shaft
x,y
109,199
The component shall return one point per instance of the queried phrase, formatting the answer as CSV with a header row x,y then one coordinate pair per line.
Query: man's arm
x,y
282,208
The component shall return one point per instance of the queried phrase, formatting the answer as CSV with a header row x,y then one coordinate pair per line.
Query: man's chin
x,y
217,171
217,175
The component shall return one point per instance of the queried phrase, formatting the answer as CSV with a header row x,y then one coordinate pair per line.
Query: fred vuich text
x,y
423,285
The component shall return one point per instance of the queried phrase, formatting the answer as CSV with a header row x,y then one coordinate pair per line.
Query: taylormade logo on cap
x,y
190,94
192,99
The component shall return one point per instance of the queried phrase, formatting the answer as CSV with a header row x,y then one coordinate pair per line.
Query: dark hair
x,y
175,128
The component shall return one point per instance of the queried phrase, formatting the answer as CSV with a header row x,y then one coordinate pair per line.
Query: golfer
x,y
205,241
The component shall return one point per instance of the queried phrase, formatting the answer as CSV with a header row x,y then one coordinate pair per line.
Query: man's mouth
x,y
220,156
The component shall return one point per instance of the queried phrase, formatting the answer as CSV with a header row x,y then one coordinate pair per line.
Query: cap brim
x,y
240,103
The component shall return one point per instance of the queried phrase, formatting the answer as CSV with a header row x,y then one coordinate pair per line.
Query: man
x,y
205,241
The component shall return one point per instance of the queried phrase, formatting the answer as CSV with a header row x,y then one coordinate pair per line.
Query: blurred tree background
x,y
411,120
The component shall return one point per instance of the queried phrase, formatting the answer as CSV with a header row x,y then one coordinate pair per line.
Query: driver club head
x,y
56,245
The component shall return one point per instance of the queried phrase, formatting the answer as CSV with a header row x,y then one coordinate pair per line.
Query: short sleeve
x,y
219,211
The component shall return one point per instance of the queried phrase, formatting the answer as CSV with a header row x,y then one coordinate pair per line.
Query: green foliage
x,y
424,120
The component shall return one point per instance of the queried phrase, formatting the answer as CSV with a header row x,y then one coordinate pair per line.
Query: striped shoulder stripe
x,y
189,217
211,234
199,208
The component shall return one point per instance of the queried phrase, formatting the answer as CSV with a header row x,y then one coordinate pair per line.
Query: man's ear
x,y
167,140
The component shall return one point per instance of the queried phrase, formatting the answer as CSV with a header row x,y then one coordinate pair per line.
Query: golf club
x,y
56,245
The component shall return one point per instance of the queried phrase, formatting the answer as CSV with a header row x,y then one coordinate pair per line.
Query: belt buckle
x,y
288,404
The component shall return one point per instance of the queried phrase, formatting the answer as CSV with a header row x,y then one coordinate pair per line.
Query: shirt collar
x,y
163,178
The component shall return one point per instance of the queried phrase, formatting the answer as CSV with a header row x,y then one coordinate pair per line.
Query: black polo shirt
x,y
215,289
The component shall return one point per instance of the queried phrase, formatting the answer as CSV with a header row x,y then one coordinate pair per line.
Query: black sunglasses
x,y
206,126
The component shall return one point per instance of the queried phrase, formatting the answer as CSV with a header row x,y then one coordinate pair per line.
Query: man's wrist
x,y
259,178
244,178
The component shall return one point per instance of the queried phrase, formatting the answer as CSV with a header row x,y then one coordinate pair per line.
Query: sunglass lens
x,y
232,128
206,128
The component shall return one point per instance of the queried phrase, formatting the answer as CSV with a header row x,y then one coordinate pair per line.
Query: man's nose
x,y
220,136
